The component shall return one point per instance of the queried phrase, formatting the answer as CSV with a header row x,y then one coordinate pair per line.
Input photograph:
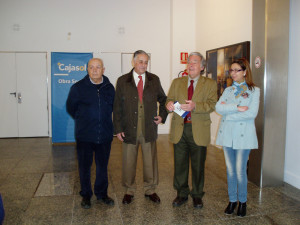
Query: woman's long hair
x,y
245,67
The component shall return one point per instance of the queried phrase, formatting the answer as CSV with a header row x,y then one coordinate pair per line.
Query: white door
x,y
30,102
8,93
32,87
112,64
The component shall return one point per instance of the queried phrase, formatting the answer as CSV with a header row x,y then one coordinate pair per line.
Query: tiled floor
x,y
39,184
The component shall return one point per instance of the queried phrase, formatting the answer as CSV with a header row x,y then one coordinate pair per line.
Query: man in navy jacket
x,y
90,103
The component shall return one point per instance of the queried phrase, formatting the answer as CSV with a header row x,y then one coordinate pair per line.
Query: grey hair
x,y
139,52
203,61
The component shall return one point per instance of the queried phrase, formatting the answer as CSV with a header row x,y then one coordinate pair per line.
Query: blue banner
x,y
66,69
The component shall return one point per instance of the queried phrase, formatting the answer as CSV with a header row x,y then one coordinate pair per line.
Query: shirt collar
x,y
136,76
94,82
195,79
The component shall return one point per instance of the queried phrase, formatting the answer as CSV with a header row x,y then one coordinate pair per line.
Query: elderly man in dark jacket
x,y
90,103
135,123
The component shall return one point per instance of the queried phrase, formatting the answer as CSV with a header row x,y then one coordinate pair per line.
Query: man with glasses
x,y
190,131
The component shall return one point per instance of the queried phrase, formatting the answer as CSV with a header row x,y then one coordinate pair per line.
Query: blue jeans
x,y
236,165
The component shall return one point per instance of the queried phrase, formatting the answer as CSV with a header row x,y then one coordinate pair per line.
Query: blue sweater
x,y
91,108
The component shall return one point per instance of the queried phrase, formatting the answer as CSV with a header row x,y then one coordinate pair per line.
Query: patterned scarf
x,y
239,89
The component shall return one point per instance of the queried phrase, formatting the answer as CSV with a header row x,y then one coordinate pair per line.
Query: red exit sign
x,y
183,57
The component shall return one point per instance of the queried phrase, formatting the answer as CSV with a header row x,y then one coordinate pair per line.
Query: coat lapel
x,y
199,87
130,79
184,88
148,80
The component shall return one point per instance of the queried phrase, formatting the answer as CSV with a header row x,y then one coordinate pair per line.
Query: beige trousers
x,y
150,167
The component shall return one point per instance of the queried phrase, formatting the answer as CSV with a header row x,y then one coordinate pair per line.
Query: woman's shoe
x,y
230,208
242,209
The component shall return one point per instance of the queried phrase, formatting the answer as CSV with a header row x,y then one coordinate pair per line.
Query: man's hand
x,y
120,136
170,106
189,106
157,120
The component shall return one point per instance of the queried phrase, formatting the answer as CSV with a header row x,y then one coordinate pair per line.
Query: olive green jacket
x,y
125,113
205,97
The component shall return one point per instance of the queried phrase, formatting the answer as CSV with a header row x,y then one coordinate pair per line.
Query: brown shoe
x,y
178,201
127,199
197,203
154,198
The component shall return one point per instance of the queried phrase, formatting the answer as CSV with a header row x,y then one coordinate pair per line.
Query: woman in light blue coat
x,y
238,106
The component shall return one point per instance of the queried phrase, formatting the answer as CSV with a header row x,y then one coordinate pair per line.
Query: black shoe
x,y
86,202
242,209
127,199
178,201
197,202
153,197
230,208
107,200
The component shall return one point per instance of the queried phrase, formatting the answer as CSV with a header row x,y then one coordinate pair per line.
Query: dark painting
x,y
219,60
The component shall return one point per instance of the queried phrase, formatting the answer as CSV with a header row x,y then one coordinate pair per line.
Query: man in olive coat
x,y
191,135
135,119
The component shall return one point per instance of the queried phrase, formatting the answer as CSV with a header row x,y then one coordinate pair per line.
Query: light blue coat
x,y
237,129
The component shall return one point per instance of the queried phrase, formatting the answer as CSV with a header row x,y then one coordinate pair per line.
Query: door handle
x,y
13,93
19,98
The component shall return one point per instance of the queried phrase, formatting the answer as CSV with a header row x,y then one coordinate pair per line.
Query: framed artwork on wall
x,y
218,62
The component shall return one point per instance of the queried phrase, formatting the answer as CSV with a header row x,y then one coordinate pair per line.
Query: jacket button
x,y
241,123
134,127
135,112
242,135
223,120
220,131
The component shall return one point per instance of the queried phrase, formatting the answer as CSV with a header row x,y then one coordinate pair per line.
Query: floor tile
x,y
39,183
49,210
56,184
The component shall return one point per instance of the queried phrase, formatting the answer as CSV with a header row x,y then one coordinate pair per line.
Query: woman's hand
x,y
242,108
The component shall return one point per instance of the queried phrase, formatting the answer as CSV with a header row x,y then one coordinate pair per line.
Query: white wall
x,y
221,23
183,32
183,38
90,26
292,150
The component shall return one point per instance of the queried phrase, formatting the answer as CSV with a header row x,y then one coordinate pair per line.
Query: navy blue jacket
x,y
92,110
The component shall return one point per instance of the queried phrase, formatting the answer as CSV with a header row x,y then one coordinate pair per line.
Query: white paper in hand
x,y
179,110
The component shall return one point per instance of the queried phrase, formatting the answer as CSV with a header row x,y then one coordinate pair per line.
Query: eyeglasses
x,y
235,70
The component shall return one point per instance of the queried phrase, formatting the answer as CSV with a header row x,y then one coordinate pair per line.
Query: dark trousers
x,y
184,151
85,152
